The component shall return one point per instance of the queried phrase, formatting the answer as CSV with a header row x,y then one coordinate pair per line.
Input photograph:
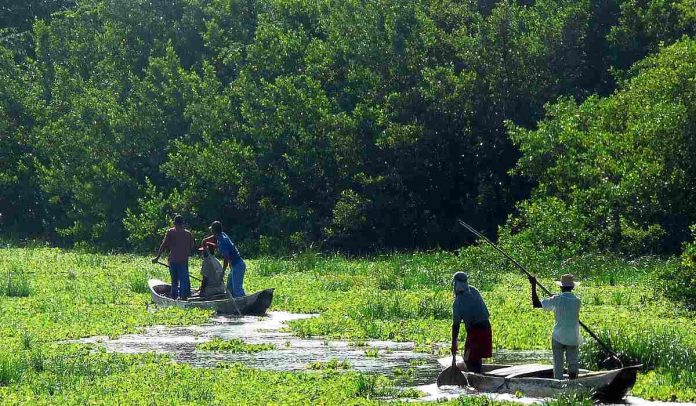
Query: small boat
x,y
255,304
536,380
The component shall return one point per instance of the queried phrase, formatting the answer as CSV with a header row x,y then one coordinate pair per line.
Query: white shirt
x,y
566,308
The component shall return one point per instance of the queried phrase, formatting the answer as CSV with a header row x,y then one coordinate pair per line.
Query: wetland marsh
x,y
399,299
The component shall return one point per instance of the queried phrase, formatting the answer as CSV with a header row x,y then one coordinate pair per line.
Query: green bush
x,y
679,283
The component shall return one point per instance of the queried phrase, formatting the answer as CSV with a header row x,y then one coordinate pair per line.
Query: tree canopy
x,y
357,125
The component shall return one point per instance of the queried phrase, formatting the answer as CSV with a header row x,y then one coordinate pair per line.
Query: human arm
x,y
210,242
535,297
455,338
161,248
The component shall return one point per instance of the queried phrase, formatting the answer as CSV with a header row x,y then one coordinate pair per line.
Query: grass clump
x,y
16,285
332,364
138,284
234,345
572,398
12,368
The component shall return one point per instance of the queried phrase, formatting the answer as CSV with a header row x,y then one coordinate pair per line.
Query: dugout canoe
x,y
535,380
255,304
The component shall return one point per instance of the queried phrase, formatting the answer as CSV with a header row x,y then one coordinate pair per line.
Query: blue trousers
x,y
235,282
181,284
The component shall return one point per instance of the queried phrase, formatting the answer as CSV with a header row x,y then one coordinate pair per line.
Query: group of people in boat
x,y
470,308
180,243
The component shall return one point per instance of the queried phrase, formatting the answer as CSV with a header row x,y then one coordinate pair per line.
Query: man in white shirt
x,y
566,338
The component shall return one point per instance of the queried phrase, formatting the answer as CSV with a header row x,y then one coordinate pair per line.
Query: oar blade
x,y
451,376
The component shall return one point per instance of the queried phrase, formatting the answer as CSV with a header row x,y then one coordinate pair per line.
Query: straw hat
x,y
567,281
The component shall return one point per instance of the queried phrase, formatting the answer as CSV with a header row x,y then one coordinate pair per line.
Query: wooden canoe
x,y
255,304
535,380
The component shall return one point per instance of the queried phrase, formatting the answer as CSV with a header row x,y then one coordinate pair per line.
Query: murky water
x,y
396,359
291,353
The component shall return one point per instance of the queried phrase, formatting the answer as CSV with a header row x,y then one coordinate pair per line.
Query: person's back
x,y
566,309
180,243
211,269
228,250
470,308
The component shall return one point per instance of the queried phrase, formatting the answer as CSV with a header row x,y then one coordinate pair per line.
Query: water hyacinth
x,y
234,345
103,300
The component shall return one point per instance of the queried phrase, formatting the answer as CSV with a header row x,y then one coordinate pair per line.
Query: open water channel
x,y
296,354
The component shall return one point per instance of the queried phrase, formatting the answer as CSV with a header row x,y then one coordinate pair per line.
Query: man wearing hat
x,y
566,338
470,308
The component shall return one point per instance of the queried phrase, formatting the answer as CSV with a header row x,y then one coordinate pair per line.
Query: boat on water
x,y
255,304
536,380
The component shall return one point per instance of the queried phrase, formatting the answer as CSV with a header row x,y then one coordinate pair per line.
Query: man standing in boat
x,y
179,242
230,256
566,337
470,308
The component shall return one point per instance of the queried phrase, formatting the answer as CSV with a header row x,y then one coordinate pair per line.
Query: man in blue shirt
x,y
230,256
566,338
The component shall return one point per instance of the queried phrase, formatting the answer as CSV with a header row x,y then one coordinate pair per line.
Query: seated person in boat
x,y
212,282
179,242
231,257
470,308
566,338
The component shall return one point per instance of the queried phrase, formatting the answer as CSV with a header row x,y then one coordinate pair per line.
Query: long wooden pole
x,y
526,272
190,276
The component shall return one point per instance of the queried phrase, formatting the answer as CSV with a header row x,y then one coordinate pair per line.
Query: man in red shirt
x,y
179,242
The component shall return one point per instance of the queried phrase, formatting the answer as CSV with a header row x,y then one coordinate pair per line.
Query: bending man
x,y
470,308
230,256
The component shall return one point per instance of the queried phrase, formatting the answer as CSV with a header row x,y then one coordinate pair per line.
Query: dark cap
x,y
216,227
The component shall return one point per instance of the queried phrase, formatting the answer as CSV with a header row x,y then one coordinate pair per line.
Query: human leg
x,y
474,365
238,271
573,364
184,281
230,282
174,292
558,352
478,345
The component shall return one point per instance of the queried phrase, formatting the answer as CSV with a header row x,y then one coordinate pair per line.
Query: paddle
x,y
452,375
191,276
611,352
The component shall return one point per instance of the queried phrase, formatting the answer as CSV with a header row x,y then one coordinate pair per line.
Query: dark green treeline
x,y
350,125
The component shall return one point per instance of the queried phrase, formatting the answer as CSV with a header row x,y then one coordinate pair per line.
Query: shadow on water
x,y
395,359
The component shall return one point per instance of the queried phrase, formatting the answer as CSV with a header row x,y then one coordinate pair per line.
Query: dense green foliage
x,y
617,173
354,125
78,295
680,283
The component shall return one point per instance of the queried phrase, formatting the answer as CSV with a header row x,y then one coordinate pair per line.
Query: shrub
x,y
679,283
138,283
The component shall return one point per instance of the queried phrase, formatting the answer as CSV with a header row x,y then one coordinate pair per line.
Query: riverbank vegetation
x,y
395,297
564,129
356,126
